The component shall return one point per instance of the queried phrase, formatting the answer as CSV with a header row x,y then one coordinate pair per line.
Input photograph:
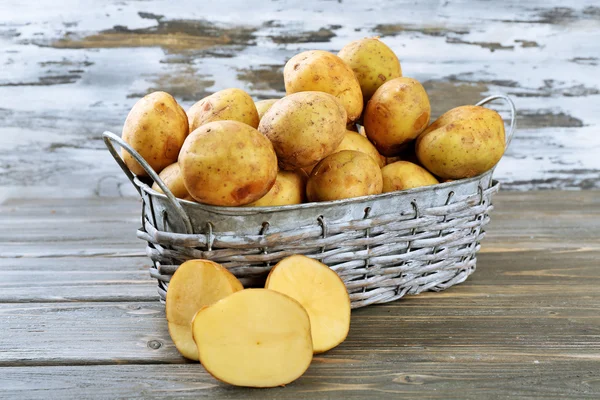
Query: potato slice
x,y
195,284
255,337
322,293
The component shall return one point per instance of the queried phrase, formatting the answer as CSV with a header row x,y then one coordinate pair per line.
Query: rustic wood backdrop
x,y
71,69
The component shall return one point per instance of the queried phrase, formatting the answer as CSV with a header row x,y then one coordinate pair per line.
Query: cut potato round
x,y
321,292
255,337
195,284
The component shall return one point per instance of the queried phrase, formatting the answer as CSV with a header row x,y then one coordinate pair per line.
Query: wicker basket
x,y
382,246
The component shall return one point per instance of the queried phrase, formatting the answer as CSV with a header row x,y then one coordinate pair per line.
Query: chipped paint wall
x,y
71,69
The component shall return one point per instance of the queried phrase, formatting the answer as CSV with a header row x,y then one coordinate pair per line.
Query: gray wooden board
x,y
327,378
70,71
526,324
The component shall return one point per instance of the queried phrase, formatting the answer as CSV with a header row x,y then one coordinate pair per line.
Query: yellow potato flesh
x,y
396,114
304,128
156,128
289,188
262,106
227,163
344,175
373,63
321,292
224,105
171,176
321,71
464,142
255,337
195,284
402,175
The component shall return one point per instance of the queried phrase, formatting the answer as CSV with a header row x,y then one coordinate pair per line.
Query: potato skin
x,y
373,63
289,188
403,175
344,175
355,141
304,128
227,163
396,114
321,71
172,177
156,127
224,105
262,106
464,142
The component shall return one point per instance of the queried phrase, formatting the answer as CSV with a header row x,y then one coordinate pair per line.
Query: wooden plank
x,y
83,74
326,378
468,322
128,279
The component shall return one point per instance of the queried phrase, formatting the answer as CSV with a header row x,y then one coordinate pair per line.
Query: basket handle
x,y
109,137
513,113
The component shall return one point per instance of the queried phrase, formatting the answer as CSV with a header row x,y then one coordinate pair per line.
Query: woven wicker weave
x,y
382,246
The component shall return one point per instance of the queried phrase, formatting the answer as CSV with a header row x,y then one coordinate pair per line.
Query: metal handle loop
x,y
513,113
108,138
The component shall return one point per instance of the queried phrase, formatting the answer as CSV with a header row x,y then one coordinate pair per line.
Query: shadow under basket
x,y
383,246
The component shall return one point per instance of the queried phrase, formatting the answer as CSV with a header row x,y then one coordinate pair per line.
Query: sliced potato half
x,y
195,284
322,293
255,337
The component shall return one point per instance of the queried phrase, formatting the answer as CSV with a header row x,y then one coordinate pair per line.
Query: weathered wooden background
x,y
70,69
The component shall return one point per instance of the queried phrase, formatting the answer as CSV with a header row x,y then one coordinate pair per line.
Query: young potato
x,y
289,188
403,175
304,128
195,284
224,105
263,106
355,141
321,292
172,177
464,142
396,114
255,338
343,175
321,71
156,128
373,63
227,163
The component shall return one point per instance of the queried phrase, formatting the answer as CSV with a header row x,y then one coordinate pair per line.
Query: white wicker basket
x,y
382,246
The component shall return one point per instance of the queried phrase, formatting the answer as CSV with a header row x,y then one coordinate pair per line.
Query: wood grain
x,y
80,321
325,379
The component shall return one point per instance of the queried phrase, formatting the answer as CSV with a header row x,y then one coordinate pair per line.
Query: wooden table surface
x,y
80,316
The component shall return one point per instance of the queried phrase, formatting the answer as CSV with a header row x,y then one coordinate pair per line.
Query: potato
x,y
343,175
224,105
254,337
321,71
464,142
304,128
396,114
355,141
195,284
227,163
403,175
263,106
171,176
156,128
289,188
321,292
373,63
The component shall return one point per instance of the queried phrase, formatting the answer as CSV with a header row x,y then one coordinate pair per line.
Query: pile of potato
x,y
257,337
350,125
